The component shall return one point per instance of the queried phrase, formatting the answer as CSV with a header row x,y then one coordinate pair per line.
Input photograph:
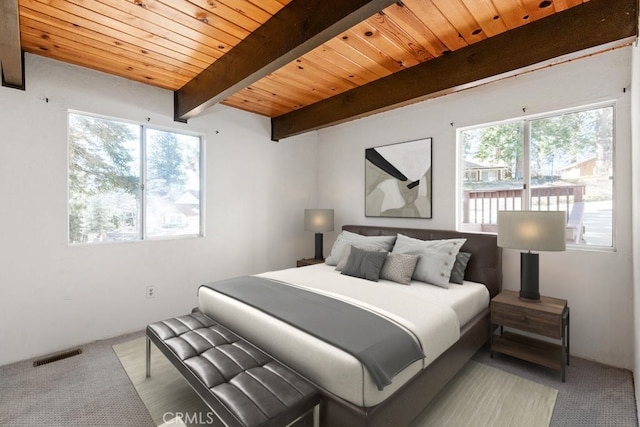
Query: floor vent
x,y
56,357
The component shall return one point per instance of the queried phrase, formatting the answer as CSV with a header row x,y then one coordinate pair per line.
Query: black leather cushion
x,y
243,385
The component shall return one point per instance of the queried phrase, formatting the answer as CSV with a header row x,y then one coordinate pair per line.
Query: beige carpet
x,y
165,394
484,396
478,396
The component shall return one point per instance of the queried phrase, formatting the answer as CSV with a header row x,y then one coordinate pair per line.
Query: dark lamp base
x,y
529,279
319,246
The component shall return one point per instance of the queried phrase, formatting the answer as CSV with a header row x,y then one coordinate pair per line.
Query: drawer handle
x,y
523,317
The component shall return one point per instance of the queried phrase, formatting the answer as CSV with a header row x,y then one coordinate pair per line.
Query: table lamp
x,y
531,231
319,221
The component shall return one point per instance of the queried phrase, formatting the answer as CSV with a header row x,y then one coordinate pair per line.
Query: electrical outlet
x,y
151,291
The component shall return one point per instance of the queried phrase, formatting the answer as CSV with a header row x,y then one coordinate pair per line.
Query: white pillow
x,y
436,257
347,238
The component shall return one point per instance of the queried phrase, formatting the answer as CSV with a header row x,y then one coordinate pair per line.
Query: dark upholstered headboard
x,y
485,264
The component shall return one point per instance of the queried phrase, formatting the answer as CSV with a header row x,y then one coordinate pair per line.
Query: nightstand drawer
x,y
530,320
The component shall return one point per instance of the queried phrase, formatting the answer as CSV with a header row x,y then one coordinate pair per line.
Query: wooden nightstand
x,y
549,318
308,261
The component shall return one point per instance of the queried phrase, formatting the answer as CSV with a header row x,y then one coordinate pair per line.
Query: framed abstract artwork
x,y
398,180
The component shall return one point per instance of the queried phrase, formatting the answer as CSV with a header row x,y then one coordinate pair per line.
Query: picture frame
x,y
398,180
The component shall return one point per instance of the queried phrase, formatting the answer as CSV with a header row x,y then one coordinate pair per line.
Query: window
x,y
131,182
552,162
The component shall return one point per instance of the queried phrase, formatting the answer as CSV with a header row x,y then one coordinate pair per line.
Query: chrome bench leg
x,y
148,357
316,415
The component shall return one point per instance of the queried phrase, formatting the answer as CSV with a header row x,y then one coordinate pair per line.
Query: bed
x,y
449,324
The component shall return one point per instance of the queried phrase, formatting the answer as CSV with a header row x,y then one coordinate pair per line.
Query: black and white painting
x,y
398,180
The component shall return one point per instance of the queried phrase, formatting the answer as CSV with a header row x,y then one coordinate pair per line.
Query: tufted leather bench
x,y
242,385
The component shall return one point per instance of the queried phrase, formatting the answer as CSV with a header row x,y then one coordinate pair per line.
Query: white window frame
x,y
143,176
526,121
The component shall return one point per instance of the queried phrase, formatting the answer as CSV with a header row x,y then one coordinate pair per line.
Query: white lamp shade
x,y
318,220
532,230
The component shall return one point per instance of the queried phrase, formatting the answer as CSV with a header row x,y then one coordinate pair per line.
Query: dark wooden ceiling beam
x,y
298,28
11,57
595,23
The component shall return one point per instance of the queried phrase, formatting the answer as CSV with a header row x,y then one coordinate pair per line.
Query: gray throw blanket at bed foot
x,y
381,345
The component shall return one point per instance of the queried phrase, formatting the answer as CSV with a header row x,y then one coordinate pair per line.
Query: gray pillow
x,y
364,264
399,268
436,257
347,251
346,238
459,267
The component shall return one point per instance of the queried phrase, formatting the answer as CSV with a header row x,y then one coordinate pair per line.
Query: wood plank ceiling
x,y
168,43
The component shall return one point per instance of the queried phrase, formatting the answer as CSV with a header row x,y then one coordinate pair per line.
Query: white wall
x,y
54,296
635,177
598,285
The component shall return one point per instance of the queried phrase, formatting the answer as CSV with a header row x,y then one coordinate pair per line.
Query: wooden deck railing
x,y
482,206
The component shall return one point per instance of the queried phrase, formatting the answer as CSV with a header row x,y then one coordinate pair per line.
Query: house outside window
x,y
559,161
131,182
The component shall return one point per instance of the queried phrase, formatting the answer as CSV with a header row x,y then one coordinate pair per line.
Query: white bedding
x,y
433,315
